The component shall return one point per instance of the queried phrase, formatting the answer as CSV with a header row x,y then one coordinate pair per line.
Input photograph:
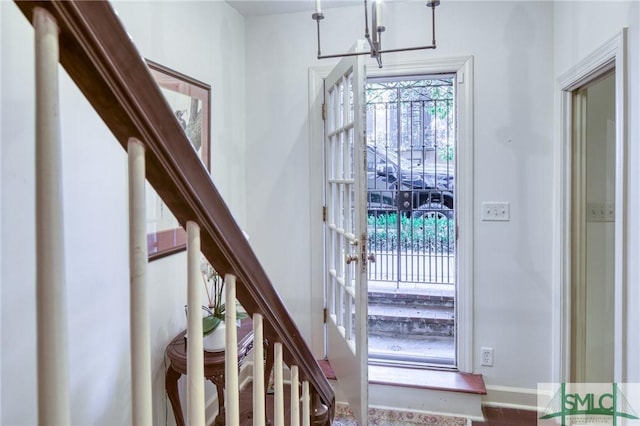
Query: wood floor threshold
x,y
441,380
496,416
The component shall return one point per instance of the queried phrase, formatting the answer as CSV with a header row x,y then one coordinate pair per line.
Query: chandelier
x,y
375,38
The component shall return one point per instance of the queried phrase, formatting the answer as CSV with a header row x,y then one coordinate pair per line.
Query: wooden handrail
x,y
99,56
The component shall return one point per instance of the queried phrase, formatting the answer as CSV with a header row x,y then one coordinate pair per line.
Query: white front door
x,y
346,231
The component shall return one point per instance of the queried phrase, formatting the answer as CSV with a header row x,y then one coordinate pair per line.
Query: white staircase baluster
x,y
306,404
278,412
195,354
232,395
138,301
295,396
53,382
258,372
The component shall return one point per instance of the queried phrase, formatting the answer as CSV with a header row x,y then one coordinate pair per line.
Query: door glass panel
x,y
350,90
341,104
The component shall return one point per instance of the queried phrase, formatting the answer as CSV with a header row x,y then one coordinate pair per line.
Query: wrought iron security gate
x,y
410,179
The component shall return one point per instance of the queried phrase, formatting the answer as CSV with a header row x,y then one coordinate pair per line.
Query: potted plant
x,y
213,325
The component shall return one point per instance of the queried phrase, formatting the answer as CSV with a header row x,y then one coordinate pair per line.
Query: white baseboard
x,y
427,401
432,401
511,397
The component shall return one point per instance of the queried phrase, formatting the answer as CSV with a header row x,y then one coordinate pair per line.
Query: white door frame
x,y
612,55
463,68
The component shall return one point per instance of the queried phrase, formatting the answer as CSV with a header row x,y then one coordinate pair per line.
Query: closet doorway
x,y
594,222
590,234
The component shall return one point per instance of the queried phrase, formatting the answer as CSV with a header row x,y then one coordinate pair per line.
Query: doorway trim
x,y
611,55
463,68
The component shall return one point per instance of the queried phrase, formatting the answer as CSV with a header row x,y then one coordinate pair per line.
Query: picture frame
x,y
190,100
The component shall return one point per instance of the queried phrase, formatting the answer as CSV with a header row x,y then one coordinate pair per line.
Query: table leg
x,y
218,381
171,386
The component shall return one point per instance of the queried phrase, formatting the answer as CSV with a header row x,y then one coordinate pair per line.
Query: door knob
x,y
351,258
371,257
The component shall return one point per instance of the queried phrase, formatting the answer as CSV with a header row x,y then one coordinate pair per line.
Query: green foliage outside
x,y
430,233
445,152
411,114
442,93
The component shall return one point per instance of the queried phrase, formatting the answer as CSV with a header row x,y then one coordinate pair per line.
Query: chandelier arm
x,y
341,55
372,47
366,22
433,25
378,48
379,59
318,26
407,49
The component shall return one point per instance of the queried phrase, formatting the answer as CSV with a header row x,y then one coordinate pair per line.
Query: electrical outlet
x,y
486,356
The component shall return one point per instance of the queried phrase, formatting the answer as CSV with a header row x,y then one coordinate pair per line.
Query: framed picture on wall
x,y
190,101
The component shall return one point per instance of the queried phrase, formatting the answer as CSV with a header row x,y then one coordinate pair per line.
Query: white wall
x,y
512,46
204,40
201,39
579,29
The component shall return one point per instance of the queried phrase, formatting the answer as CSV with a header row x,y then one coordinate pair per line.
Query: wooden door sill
x,y
423,378
442,380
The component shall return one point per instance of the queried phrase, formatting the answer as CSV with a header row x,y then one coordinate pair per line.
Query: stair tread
x,y
439,295
417,289
410,312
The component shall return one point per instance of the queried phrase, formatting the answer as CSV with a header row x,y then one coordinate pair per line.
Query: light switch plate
x,y
495,211
601,212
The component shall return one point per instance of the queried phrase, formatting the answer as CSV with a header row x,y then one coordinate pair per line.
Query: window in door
x,y
411,211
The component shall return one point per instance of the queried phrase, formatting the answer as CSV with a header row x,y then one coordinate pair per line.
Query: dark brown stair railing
x,y
99,56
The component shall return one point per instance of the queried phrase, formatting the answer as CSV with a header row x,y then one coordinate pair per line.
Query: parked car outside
x,y
394,185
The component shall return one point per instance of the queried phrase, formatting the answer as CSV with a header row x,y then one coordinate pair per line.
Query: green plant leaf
x,y
210,323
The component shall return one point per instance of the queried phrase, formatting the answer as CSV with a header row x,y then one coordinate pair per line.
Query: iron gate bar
x,y
434,237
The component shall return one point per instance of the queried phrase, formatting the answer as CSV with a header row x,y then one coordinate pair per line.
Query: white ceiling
x,y
271,7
